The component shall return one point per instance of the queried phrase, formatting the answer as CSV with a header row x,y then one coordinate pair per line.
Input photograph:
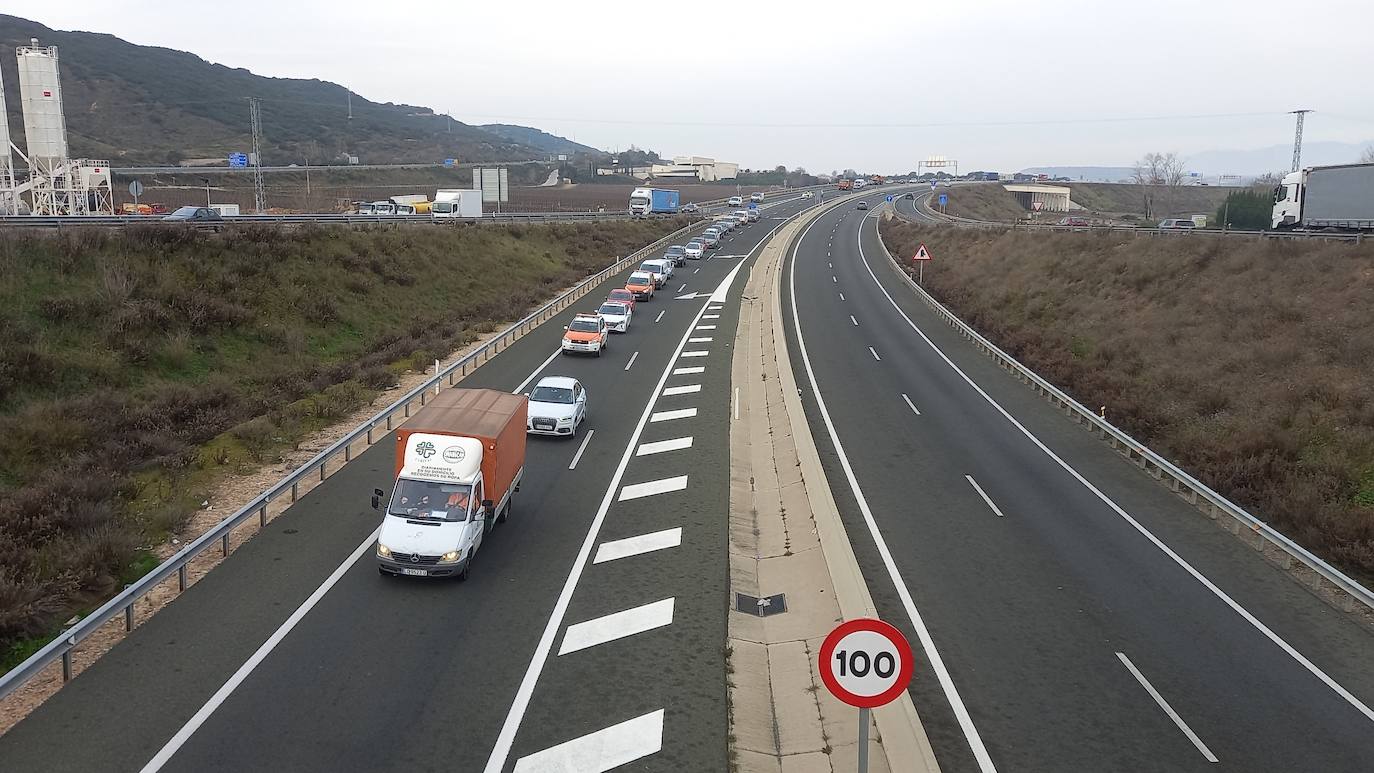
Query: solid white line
x,y
496,761
984,495
659,318
700,340
653,488
688,371
633,546
617,626
682,413
937,663
1146,533
536,371
193,724
704,327
1163,704
600,751
681,390
734,403
710,316
663,446
581,448
855,321
910,404
632,360
698,353
875,354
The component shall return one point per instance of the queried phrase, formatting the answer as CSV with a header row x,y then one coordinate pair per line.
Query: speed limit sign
x,y
865,663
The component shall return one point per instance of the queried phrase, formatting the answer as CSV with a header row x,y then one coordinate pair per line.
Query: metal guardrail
x,y
1126,229
1182,483
123,604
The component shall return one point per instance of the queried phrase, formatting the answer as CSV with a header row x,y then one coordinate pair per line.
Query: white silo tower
x,y
9,194
58,184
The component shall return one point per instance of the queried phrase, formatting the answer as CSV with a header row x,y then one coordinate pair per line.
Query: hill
x,y
537,138
136,104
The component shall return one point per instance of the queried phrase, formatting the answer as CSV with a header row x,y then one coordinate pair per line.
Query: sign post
x,y
865,663
135,190
922,255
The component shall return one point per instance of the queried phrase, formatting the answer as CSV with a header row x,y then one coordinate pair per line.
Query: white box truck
x,y
454,203
1326,197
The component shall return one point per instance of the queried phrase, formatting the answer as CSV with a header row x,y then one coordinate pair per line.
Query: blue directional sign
x,y
450,162
932,185
944,199
238,159
889,197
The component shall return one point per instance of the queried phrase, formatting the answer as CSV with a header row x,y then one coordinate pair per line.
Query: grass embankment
x,y
138,366
1121,199
1246,362
981,201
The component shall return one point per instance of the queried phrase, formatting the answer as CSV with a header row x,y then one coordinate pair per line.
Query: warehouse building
x,y
696,167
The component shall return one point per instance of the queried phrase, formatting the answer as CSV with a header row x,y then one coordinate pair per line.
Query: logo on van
x,y
425,449
454,454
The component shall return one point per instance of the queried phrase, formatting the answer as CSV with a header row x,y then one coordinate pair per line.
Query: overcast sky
x,y
878,86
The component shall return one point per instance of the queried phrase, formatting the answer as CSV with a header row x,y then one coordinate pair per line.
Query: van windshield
x,y
426,500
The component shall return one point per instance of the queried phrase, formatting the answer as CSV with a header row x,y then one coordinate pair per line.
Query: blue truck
x,y
653,201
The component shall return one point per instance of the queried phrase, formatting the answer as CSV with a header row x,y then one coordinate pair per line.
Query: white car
x,y
724,221
695,249
734,201
617,316
558,406
658,268
754,214
741,216
807,194
756,197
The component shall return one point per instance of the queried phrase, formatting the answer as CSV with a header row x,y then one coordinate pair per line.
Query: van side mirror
x,y
488,505
376,499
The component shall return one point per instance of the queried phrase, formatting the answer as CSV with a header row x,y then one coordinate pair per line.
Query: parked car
x,y
1177,224
863,205
194,214
617,316
586,334
558,406
1077,222
695,249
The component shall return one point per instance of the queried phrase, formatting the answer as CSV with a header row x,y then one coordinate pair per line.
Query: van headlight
x,y
383,550
450,557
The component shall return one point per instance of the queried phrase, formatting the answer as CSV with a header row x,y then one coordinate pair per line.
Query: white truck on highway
x,y
450,204
1326,197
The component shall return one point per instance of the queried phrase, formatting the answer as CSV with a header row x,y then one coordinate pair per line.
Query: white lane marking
x,y
1235,606
700,340
664,446
1163,704
698,353
617,626
193,724
855,321
937,663
682,390
581,448
688,371
734,403
600,751
681,413
697,271
653,488
633,357
537,371
833,279
633,546
841,296
984,495
704,327
831,265
500,752
713,306
659,318
875,354
710,316
910,404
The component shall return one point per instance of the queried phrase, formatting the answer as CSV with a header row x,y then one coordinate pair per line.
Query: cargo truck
x,y
846,185
1326,197
653,201
459,462
451,204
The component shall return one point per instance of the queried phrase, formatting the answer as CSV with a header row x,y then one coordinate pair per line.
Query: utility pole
x,y
350,104
259,191
1297,140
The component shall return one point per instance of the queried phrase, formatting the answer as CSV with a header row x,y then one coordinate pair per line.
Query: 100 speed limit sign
x,y
866,663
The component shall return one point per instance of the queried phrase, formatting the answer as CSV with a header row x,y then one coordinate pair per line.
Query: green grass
x,y
141,366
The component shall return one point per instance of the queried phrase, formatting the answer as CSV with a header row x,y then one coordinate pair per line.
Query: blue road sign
x,y
450,162
238,159
889,197
932,185
944,199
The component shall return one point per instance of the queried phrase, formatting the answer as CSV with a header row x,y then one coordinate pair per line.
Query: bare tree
x,y
1160,175
1368,157
1268,180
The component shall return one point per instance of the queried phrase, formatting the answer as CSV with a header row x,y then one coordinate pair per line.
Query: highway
x,y
1068,613
296,655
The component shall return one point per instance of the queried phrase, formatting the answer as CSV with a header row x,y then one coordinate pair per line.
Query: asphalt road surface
x,y
1067,612
296,655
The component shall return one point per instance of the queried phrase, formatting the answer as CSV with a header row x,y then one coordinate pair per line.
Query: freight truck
x,y
1326,197
459,462
451,204
653,201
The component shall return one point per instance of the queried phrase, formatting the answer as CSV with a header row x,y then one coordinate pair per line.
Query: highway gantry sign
x,y
866,663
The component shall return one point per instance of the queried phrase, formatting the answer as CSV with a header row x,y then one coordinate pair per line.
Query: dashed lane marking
x,y
617,625
682,390
633,546
653,488
600,751
664,446
681,413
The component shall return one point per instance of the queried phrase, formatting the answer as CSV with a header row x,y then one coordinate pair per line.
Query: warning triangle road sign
x,y
922,253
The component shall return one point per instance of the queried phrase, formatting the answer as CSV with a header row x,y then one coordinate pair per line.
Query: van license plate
x,y
414,572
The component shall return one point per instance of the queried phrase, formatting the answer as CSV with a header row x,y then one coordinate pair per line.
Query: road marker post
x,y
865,663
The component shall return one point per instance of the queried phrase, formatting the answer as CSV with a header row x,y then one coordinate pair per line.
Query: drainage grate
x,y
763,607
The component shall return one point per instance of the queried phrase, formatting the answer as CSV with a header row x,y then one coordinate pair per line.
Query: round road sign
x,y
865,663
135,188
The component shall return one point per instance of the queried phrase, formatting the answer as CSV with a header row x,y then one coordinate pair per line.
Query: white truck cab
x,y
435,521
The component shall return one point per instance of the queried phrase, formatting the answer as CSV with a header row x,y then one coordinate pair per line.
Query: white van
x,y
659,268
